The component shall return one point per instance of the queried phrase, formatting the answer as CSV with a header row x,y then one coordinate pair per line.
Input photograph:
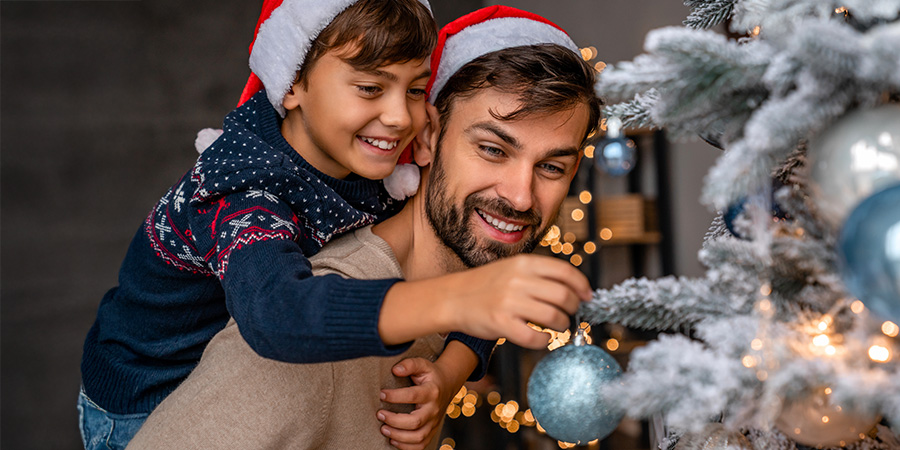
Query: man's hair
x,y
547,78
382,32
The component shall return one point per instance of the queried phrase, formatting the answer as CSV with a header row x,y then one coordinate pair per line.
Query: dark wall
x,y
99,106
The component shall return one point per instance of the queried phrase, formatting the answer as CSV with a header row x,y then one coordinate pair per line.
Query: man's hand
x,y
432,390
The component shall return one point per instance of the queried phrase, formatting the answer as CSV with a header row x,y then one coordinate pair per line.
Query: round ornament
x,y
814,421
869,244
714,436
615,154
564,392
737,208
857,156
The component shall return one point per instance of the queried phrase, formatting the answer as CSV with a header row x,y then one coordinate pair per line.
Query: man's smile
x,y
504,225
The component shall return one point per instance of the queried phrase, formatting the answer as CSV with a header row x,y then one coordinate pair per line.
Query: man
x,y
510,117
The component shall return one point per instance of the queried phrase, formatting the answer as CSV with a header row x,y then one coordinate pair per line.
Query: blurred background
x,y
100,102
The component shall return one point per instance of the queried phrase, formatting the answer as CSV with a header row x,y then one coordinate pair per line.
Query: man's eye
x,y
491,151
369,90
553,169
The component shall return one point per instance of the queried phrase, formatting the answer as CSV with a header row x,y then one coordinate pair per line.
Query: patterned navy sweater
x,y
232,238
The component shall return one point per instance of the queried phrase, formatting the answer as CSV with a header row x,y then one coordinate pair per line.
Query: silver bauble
x,y
814,421
858,155
714,436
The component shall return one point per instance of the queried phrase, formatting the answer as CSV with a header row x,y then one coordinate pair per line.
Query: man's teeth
x,y
499,224
384,145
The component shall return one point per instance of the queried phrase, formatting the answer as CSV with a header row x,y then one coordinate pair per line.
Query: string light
x,y
890,329
879,353
857,307
577,214
589,151
585,197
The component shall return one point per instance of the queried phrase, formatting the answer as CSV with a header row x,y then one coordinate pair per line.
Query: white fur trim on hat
x,y
205,138
489,36
284,39
403,182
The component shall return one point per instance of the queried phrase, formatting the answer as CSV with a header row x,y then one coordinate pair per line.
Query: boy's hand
x,y
499,299
496,300
431,393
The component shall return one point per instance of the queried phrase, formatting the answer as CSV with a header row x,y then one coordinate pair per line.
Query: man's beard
x,y
454,228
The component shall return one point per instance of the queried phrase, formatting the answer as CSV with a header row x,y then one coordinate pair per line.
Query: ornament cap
x,y
579,338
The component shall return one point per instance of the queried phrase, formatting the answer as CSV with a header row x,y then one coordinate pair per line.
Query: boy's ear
x,y
425,143
291,99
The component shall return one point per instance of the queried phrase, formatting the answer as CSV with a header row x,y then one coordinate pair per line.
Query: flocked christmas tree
x,y
790,338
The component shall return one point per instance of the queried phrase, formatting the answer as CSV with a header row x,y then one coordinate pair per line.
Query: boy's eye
x,y
369,90
416,93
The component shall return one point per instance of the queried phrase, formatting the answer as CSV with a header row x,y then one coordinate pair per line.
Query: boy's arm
x,y
489,302
482,349
287,314
435,385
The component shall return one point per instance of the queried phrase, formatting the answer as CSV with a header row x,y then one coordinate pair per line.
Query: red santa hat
x,y
284,34
463,40
481,32
488,30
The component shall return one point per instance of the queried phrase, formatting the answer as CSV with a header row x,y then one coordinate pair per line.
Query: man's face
x,y
495,186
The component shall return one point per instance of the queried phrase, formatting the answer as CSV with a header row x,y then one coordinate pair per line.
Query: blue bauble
x,y
564,393
870,246
737,208
615,156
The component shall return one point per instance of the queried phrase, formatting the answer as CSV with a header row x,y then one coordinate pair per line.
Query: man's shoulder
x,y
359,255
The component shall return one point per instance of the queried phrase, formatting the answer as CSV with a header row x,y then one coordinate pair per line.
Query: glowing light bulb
x,y
890,329
878,353
821,340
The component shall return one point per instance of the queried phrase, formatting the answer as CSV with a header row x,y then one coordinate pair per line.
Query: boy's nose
x,y
396,113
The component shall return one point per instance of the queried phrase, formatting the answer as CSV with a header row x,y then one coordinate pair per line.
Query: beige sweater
x,y
236,399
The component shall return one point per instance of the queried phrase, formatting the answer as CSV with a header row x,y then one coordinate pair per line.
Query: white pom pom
x,y
403,182
205,138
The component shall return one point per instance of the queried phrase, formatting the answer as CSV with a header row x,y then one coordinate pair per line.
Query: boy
x,y
510,110
292,170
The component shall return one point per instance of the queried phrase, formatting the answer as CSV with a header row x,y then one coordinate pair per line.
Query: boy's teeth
x,y
384,145
499,224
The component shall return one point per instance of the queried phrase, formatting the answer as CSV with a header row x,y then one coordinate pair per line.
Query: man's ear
x,y
292,97
425,143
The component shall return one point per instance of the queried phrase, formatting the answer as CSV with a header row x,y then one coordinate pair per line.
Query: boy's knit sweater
x,y
232,238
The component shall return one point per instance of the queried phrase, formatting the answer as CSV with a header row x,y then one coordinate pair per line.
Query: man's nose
x,y
395,111
517,187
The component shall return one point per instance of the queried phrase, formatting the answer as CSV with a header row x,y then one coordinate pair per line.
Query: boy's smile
x,y
495,186
344,120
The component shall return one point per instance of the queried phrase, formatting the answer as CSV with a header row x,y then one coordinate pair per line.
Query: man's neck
x,y
420,252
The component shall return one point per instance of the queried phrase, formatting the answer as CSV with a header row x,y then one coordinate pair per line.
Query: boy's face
x,y
495,186
352,121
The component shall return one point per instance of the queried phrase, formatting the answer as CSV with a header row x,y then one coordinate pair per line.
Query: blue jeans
x,y
102,430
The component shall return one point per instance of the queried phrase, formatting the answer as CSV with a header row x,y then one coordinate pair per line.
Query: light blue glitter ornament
x,y
870,246
564,392
615,154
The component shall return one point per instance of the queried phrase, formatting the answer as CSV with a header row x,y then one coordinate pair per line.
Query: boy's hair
x,y
547,78
381,32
